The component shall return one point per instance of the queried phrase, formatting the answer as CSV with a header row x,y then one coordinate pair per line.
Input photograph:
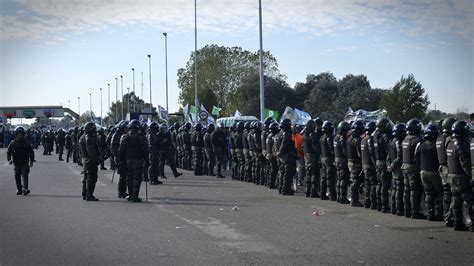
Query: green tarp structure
x,y
229,121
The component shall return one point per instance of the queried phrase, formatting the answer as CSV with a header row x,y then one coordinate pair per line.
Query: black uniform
x,y
394,162
119,164
355,167
90,160
197,142
443,172
239,147
384,179
219,144
68,144
165,151
133,151
209,151
287,156
20,153
342,171
101,141
60,142
411,174
370,177
312,154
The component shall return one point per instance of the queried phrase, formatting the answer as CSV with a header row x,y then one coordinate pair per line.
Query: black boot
x,y
90,192
84,191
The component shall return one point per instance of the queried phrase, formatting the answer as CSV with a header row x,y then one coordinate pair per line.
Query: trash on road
x,y
221,209
235,208
317,213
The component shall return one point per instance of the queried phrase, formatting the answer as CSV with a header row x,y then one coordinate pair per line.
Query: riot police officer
x,y
68,144
287,156
60,140
340,154
197,142
101,139
133,151
384,180
312,152
354,161
154,155
328,178
411,172
122,129
91,158
368,165
239,147
209,150
165,147
21,155
443,168
188,152
75,145
459,171
394,164
248,157
272,155
257,167
219,145
427,160
233,152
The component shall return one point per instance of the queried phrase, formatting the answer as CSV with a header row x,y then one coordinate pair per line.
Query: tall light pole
x,y
108,101
116,99
69,104
90,105
101,117
166,67
79,106
262,87
133,74
128,100
196,101
149,69
143,99
121,80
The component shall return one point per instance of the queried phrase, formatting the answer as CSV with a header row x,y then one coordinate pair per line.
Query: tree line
x,y
228,78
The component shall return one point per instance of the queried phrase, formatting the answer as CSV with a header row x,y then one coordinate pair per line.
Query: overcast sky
x,y
52,51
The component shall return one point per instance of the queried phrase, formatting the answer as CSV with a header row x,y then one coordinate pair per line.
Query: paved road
x,y
189,220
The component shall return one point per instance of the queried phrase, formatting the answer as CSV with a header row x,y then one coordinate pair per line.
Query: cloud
x,y
39,20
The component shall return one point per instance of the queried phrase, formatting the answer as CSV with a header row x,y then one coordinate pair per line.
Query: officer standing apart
x,y
328,178
90,160
287,155
133,151
21,155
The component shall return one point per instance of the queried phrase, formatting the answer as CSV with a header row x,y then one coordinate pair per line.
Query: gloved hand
x,y
10,162
31,164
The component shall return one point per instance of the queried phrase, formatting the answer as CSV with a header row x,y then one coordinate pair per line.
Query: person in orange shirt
x,y
298,140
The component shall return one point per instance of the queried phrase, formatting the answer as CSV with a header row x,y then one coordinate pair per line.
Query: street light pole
x,y
90,105
116,99
69,104
166,67
128,100
108,103
262,87
101,117
149,69
133,74
143,99
79,106
121,80
196,101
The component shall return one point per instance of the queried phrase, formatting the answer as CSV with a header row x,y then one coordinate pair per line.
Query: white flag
x,y
237,114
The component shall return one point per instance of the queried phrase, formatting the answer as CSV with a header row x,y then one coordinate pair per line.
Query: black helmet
x,y
163,128
198,127
310,125
248,125
76,129
90,128
176,125
154,127
414,126
399,130
211,128
19,129
343,127
460,129
187,126
101,130
318,121
134,124
370,127
268,121
285,124
257,125
384,125
328,127
240,125
122,124
431,132
273,127
447,124
357,128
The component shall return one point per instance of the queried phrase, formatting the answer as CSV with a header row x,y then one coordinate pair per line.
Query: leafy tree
x,y
278,95
115,113
221,70
406,100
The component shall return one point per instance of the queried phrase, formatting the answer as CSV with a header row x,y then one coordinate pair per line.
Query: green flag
x,y
216,110
271,113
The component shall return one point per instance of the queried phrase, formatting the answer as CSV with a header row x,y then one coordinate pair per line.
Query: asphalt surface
x,y
192,221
